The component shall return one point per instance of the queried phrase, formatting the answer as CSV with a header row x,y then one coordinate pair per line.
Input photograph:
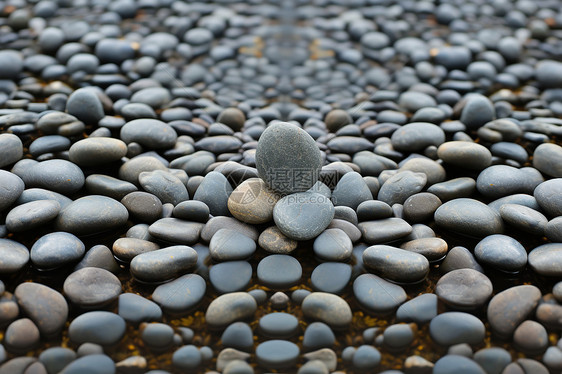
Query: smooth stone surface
x,y
11,187
11,149
548,159
278,325
44,305
238,335
384,230
192,210
416,136
274,241
351,191
221,222
230,276
55,250
546,259
318,335
143,206
97,151
553,229
288,175
464,289
92,287
328,308
421,309
166,186
366,357
125,249
229,308
180,295
433,249
91,364
469,217
333,245
279,271
303,215
163,264
176,230
465,155
450,364
459,258
99,327
135,309
32,215
253,201
187,358
59,176
396,264
548,195
277,354
56,358
501,180
477,111
92,214
376,295
398,188
507,309
99,184
501,252
421,207
229,245
331,277
214,191
531,337
452,328
492,360
150,133
524,218
14,256
453,188
398,337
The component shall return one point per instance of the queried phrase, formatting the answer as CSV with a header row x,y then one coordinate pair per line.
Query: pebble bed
x,y
308,187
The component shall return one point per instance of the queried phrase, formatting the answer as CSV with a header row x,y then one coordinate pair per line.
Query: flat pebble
x,y
11,187
331,277
501,180
192,210
277,354
433,249
14,256
252,201
464,289
450,364
524,218
32,215
163,264
398,188
103,213
60,176
421,309
92,287
395,264
469,217
143,131
279,271
229,245
376,295
548,196
229,308
333,245
97,151
230,276
455,328
384,230
274,241
94,364
55,250
453,188
507,309
278,325
465,155
546,259
99,327
56,358
501,252
548,159
164,185
11,149
135,309
175,230
416,136
180,295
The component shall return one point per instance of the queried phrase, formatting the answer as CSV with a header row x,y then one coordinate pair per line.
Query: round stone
x,y
99,184
524,218
233,118
452,328
465,155
274,241
351,191
366,357
21,335
318,335
501,180
376,295
278,325
384,230
187,358
531,337
229,245
238,335
421,207
277,354
501,252
469,217
14,256
85,105
398,337
509,308
450,364
92,287
94,364
150,133
44,305
395,264
288,174
279,271
164,185
11,149
417,136
143,206
477,111
229,308
92,214
331,277
163,264
549,196
230,276
55,175
135,309
32,215
97,151
11,187
55,250
333,245
464,289
253,201
546,259
421,309
98,327
180,295
328,308
56,358
303,215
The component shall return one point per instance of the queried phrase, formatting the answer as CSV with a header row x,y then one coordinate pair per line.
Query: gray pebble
x,y
92,287
228,245
55,250
85,105
99,327
214,191
396,264
92,214
11,187
421,309
546,259
507,309
548,196
94,364
238,335
135,309
99,184
384,230
455,328
175,230
14,256
143,206
143,131
331,277
230,276
229,308
376,295
180,295
465,155
398,188
464,289
468,217
11,149
417,136
501,252
277,354
32,215
279,271
524,218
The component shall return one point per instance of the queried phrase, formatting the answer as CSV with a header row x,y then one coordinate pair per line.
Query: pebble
x,y
366,357
232,117
99,184
59,176
421,207
453,188
454,363
509,308
186,358
333,245
328,308
143,131
92,287
421,309
157,336
398,188
417,136
252,201
477,111
11,187
384,230
11,149
217,223
376,295
14,256
177,231
238,335
531,337
229,308
318,335
94,364
279,271
277,354
99,327
398,337
56,358
351,191
180,295
274,241
135,309
143,206
215,191
229,245
464,289
501,252
465,155
547,195
230,276
278,325
21,335
55,250
167,187
546,259
455,328
163,264
524,218
97,151
433,249
468,217
103,213
85,105
192,210
395,264
288,175
303,215
331,277
501,180
32,215
493,359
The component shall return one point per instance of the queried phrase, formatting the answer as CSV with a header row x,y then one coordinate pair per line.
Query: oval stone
x,y
175,230
464,289
98,327
279,271
229,308
303,215
180,295
452,328
395,264
287,158
328,308
501,252
92,287
465,155
97,151
253,201
92,214
11,187
56,249
150,133
469,217
376,295
13,256
277,354
31,215
228,245
163,264
546,259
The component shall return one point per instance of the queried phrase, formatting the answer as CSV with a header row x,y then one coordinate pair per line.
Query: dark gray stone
x,y
453,188
376,295
214,191
351,191
228,245
11,149
97,151
99,327
501,252
92,287
396,264
509,308
546,259
524,218
14,256
143,206
501,180
477,111
417,136
55,250
384,230
92,214
421,309
469,217
398,188
175,230
85,105
180,295
32,215
464,289
91,364
99,184
163,264
135,309
229,308
279,271
230,276
277,354
548,196
452,328
465,155
333,245
11,187
150,133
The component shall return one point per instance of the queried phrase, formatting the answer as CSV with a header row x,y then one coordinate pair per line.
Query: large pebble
x,y
180,295
55,250
477,111
85,105
97,151
549,196
92,364
60,176
376,295
14,256
11,187
163,264
328,308
32,215
92,214
421,309
501,252
99,327
464,289
279,271
546,259
524,218
252,201
333,245
287,158
351,191
214,191
277,354
229,308
501,180
303,215
452,328
395,264
11,149
469,217
92,287
465,154
150,133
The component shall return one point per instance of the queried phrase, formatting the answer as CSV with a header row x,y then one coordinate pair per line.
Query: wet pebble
x,y
279,271
56,249
524,218
464,289
163,264
230,276
468,217
396,264
229,245
99,327
501,252
32,215
421,309
180,295
92,287
376,295
455,328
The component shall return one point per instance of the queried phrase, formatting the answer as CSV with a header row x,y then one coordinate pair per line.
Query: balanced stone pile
x,y
307,187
